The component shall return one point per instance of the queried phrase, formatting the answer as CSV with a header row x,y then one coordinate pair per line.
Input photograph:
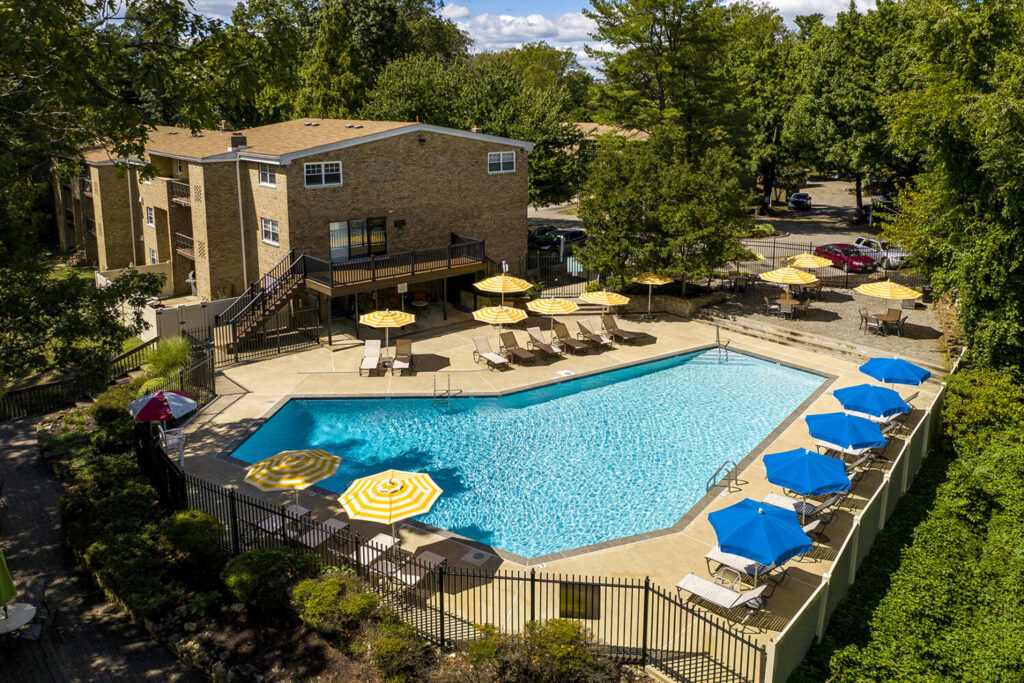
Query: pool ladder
x,y
728,466
721,347
443,397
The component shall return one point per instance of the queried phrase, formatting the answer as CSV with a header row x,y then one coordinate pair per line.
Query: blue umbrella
x,y
806,472
871,399
894,371
767,534
846,431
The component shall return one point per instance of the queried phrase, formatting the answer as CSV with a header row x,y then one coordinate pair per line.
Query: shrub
x,y
555,651
168,357
261,578
761,230
150,385
112,404
334,604
130,566
191,538
394,648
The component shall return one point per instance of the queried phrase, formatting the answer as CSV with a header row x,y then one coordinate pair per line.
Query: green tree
x,y
543,66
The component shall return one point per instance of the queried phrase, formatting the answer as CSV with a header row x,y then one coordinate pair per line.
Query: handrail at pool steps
x,y
720,345
633,620
729,466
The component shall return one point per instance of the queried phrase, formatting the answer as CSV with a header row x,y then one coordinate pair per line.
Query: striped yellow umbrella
x,y
888,290
499,315
651,280
390,496
604,298
294,470
758,256
387,320
552,307
502,284
806,260
789,276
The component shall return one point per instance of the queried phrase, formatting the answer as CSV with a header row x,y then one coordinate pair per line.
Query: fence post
x,y
449,257
236,542
373,268
440,598
533,594
412,262
647,600
234,339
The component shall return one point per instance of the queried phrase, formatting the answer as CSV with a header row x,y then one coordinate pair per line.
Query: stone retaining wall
x,y
662,303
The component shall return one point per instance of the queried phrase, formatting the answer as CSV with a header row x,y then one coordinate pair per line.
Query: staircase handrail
x,y
256,290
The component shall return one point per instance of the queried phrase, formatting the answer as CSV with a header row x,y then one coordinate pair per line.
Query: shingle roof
x,y
591,130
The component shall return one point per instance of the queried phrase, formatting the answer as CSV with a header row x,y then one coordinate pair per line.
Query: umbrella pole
x,y
650,290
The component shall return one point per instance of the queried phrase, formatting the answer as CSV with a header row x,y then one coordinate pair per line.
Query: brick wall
x,y
436,187
271,203
215,227
114,212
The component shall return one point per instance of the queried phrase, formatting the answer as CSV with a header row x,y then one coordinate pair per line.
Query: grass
x,y
570,211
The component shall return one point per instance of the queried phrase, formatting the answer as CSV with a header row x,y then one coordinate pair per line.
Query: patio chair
x,y
412,573
899,325
483,352
587,333
512,350
825,511
895,312
910,397
785,310
611,326
371,551
371,356
403,355
770,307
873,324
813,529
726,598
563,337
536,341
831,448
802,307
740,567
316,537
863,319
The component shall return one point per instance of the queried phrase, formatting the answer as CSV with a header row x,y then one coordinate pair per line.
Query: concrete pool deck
x,y
250,392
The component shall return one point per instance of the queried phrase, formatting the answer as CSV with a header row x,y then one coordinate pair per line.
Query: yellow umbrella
x,y
387,320
552,307
887,290
390,496
650,279
294,470
503,284
758,256
789,276
604,298
806,260
499,315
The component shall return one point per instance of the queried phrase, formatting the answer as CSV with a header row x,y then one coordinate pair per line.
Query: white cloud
x,y
221,9
453,11
500,31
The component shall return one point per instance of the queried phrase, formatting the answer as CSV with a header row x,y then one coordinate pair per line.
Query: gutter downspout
x,y
131,211
241,218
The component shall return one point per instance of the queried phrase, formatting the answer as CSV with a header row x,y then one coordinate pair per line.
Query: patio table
x,y
887,319
18,615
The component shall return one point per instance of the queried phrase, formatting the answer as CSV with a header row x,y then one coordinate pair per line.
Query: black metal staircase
x,y
263,298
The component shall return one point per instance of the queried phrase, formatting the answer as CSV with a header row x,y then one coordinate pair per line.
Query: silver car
x,y
886,255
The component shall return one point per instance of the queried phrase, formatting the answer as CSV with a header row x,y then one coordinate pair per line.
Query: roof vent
x,y
172,132
349,125
314,124
237,142
358,125
307,123
197,135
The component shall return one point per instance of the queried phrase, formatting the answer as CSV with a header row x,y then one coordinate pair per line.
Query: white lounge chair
x,y
276,522
403,355
824,511
739,566
370,552
826,447
723,596
413,572
314,538
536,341
371,356
483,352
588,333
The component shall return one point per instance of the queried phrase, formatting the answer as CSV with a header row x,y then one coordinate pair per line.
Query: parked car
x,y
551,240
801,201
884,254
847,257
536,233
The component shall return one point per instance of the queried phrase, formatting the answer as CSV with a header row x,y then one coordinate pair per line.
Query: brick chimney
x,y
237,142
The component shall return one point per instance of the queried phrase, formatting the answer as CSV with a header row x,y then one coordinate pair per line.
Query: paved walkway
x,y
93,641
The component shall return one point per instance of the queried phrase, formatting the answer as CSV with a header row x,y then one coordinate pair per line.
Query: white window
x,y
501,162
268,229
323,174
153,257
268,175
150,216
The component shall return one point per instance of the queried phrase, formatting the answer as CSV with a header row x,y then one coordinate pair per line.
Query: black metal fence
x,y
198,380
556,276
635,621
775,252
287,330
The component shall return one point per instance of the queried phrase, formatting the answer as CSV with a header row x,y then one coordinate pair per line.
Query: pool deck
x,y
251,392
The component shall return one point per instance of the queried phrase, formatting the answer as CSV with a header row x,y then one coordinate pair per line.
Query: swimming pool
x,y
562,466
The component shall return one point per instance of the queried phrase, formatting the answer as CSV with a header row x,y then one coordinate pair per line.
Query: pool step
x,y
828,346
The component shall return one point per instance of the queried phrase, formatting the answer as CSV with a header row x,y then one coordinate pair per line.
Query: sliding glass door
x,y
358,238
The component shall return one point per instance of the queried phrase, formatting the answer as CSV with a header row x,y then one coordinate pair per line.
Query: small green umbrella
x,y
7,589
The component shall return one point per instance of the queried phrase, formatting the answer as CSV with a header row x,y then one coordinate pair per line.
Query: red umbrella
x,y
162,405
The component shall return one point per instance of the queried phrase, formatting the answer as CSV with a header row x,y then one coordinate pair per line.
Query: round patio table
x,y
19,614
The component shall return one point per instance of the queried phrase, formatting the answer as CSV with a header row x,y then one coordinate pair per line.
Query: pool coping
x,y
695,510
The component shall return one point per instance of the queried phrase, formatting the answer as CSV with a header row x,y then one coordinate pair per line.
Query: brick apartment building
x,y
224,207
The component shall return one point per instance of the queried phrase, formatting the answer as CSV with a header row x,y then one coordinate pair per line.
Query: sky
x,y
500,24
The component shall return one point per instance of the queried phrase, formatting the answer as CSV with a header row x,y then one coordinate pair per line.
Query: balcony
x,y
185,245
181,193
86,187
388,270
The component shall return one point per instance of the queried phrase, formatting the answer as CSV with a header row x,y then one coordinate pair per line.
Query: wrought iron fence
x,y
282,332
633,620
555,277
776,251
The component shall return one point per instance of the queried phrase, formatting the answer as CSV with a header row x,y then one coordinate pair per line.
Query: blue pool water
x,y
579,462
